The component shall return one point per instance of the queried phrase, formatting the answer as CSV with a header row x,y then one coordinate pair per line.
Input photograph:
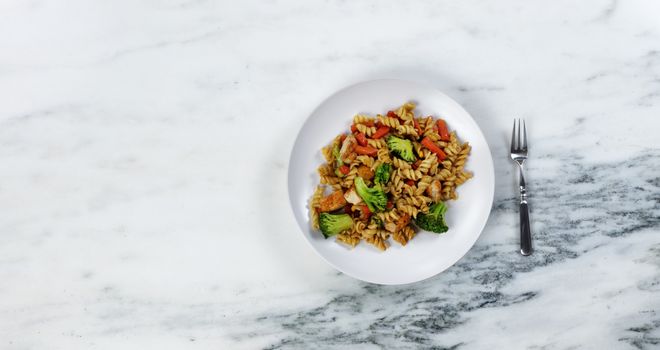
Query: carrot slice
x,y
426,142
366,150
361,139
380,132
353,128
417,127
366,210
442,130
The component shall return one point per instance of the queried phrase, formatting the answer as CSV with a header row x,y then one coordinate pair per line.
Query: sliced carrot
x,y
353,128
361,139
380,132
366,210
442,130
344,169
417,127
426,142
366,150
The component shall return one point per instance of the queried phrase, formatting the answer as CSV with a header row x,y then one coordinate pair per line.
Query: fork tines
x,y
518,145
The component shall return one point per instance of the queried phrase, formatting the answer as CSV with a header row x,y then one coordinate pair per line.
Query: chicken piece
x,y
347,147
352,197
332,202
365,172
433,191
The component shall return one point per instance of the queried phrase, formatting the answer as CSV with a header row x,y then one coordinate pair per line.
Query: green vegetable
x,y
332,224
335,154
401,147
383,174
434,221
375,197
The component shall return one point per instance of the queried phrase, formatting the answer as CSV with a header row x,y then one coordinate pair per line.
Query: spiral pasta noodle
x,y
362,119
366,160
367,130
404,236
350,177
377,144
407,208
425,165
389,121
384,155
407,130
401,164
410,174
314,206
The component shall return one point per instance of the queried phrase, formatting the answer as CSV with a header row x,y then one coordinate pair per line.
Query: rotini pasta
x,y
401,164
411,174
386,176
389,121
407,130
425,165
367,130
363,119
377,144
314,207
366,160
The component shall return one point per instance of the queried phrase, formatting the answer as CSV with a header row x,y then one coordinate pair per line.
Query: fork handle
x,y
525,233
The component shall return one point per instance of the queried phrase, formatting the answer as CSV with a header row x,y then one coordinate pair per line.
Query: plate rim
x,y
491,189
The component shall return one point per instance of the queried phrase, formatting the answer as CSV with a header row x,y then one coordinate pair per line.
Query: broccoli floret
x,y
375,197
383,174
401,147
434,221
332,224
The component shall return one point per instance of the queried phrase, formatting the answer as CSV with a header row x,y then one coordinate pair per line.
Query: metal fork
x,y
519,155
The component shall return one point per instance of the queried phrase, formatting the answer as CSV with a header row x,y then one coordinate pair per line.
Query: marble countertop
x,y
144,149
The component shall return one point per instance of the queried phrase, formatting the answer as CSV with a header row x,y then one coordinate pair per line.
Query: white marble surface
x,y
144,147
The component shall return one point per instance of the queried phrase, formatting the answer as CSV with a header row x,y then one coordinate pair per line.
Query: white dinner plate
x,y
428,253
